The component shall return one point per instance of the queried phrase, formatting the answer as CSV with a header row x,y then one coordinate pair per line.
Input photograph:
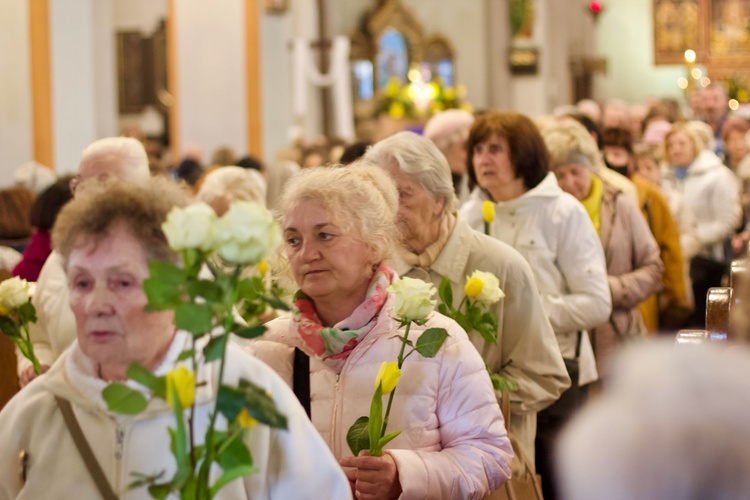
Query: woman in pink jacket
x,y
338,228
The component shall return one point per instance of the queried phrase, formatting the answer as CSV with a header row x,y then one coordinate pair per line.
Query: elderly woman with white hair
x,y
671,423
227,184
122,158
438,243
634,268
712,193
449,130
339,230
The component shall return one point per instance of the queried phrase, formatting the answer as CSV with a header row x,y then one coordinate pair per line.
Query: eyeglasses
x,y
76,181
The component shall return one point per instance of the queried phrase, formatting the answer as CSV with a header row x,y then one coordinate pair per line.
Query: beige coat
x,y
634,271
526,350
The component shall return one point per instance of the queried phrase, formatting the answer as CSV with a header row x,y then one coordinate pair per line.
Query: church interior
x,y
597,157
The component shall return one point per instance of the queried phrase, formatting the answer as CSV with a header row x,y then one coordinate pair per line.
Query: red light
x,y
596,7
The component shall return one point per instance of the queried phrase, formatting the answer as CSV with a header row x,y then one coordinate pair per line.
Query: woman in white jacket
x,y
712,192
106,239
339,227
509,166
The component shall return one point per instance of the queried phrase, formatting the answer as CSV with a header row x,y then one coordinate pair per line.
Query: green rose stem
x,y
486,228
400,364
203,476
26,340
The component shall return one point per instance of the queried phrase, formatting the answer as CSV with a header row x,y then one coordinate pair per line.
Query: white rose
x,y
491,291
246,233
413,299
190,227
14,293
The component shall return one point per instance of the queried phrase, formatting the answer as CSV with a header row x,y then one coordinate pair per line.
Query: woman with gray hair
x,y
224,185
121,158
634,268
338,228
438,243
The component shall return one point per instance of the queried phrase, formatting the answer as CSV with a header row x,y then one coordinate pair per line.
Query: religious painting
x,y
676,29
392,60
730,27
276,6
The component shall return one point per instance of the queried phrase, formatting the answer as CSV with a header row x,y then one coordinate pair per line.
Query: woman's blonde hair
x,y
360,197
691,134
141,207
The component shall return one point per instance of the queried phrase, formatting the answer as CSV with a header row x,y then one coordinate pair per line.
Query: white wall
x,y
72,73
16,144
211,75
275,79
624,36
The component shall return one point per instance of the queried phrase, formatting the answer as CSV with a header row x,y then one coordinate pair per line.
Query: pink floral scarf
x,y
332,345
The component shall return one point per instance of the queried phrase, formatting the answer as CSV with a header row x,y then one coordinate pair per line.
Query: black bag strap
x,y
578,344
85,450
301,380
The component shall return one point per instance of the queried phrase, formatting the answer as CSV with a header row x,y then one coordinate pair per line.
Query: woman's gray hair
x,y
671,423
125,153
568,142
419,157
360,198
233,184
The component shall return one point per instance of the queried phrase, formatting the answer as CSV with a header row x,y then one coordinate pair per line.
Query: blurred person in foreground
x,y
339,228
106,238
449,130
671,423
121,158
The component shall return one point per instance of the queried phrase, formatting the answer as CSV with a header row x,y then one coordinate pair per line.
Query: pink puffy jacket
x,y
452,443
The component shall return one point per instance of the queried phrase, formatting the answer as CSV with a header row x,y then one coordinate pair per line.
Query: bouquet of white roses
x,y
16,313
205,307
413,304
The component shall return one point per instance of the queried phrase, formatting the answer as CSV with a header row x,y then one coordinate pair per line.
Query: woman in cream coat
x,y
106,238
338,226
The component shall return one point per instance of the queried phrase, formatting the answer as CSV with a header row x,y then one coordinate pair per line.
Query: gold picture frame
x,y
276,6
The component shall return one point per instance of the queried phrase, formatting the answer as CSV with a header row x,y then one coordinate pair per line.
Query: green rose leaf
x,y
430,342
375,424
209,290
215,347
501,383
160,491
387,439
195,318
230,475
258,403
27,312
443,309
9,327
462,321
143,376
488,333
251,333
234,453
249,289
358,437
445,292
275,302
122,399
164,286
186,355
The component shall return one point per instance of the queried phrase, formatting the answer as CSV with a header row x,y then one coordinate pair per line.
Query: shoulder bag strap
x,y
85,450
301,380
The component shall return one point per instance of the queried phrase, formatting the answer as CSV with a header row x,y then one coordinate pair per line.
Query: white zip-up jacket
x,y
553,232
293,463
453,442
712,191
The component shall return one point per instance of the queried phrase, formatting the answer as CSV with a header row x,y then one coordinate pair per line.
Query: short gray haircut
x,y
233,184
448,127
123,153
672,423
419,157
569,142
